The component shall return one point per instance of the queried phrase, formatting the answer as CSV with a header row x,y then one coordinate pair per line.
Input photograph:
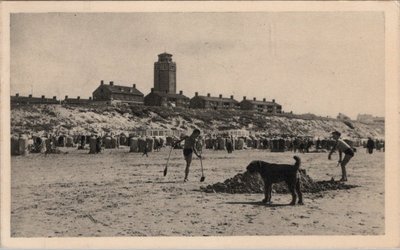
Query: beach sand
x,y
117,193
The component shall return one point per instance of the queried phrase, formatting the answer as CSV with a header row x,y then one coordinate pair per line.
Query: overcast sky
x,y
323,63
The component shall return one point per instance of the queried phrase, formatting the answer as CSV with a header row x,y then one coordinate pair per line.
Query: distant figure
x,y
157,144
83,142
302,146
49,146
229,145
378,145
145,150
295,144
309,144
188,149
98,144
370,145
318,144
342,147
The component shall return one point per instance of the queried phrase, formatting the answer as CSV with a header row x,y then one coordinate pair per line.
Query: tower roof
x,y
165,54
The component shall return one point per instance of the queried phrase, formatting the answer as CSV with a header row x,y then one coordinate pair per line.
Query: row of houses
x,y
368,119
111,94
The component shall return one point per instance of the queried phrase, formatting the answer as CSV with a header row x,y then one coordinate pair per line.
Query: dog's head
x,y
254,166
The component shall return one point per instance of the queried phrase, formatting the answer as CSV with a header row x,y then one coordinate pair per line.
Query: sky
x,y
309,62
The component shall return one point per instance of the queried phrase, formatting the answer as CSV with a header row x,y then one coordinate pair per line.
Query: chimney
x,y
101,82
254,99
196,93
90,98
220,96
134,86
208,94
43,96
54,97
264,100
181,92
244,97
17,94
78,97
111,83
66,97
30,96
232,97
273,100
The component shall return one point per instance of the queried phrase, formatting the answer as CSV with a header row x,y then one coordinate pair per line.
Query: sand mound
x,y
252,183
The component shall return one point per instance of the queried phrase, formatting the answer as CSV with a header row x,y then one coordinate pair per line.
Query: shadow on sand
x,y
256,203
154,182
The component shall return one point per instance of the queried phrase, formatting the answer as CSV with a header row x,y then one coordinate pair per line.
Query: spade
x,y
166,166
202,173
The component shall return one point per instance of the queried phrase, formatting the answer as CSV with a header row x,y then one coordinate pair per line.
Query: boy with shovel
x,y
342,147
188,149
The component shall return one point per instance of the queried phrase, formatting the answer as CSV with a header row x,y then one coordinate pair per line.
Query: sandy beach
x,y
117,193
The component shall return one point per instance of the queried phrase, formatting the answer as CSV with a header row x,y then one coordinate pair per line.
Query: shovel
x,y
202,173
166,166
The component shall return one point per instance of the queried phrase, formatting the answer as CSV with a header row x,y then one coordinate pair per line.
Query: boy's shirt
x,y
342,146
190,142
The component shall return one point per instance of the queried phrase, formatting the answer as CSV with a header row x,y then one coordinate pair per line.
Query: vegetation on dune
x,y
125,118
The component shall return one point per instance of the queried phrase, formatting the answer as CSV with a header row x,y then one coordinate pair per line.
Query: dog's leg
x,y
270,193
267,192
291,186
299,193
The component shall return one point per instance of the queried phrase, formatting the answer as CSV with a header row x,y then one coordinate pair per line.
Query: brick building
x,y
165,74
77,101
262,106
164,91
210,102
116,93
165,99
25,100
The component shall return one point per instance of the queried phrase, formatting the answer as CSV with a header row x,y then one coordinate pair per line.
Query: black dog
x,y
274,173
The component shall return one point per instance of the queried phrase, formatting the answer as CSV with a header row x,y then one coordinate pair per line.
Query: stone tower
x,y
165,74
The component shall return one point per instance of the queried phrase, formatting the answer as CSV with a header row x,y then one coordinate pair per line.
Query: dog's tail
x,y
298,161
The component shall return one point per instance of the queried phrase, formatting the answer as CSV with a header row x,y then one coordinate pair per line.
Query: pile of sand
x,y
252,183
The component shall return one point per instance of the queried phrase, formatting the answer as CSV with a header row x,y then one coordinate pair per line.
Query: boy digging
x,y
188,149
341,146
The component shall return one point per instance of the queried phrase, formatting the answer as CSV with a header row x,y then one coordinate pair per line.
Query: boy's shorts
x,y
349,152
187,152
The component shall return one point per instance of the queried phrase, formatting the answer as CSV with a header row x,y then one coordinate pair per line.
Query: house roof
x,y
216,99
262,102
118,89
169,95
77,100
32,99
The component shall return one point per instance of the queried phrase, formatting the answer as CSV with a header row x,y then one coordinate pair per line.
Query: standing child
x,y
188,149
145,150
370,145
341,146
